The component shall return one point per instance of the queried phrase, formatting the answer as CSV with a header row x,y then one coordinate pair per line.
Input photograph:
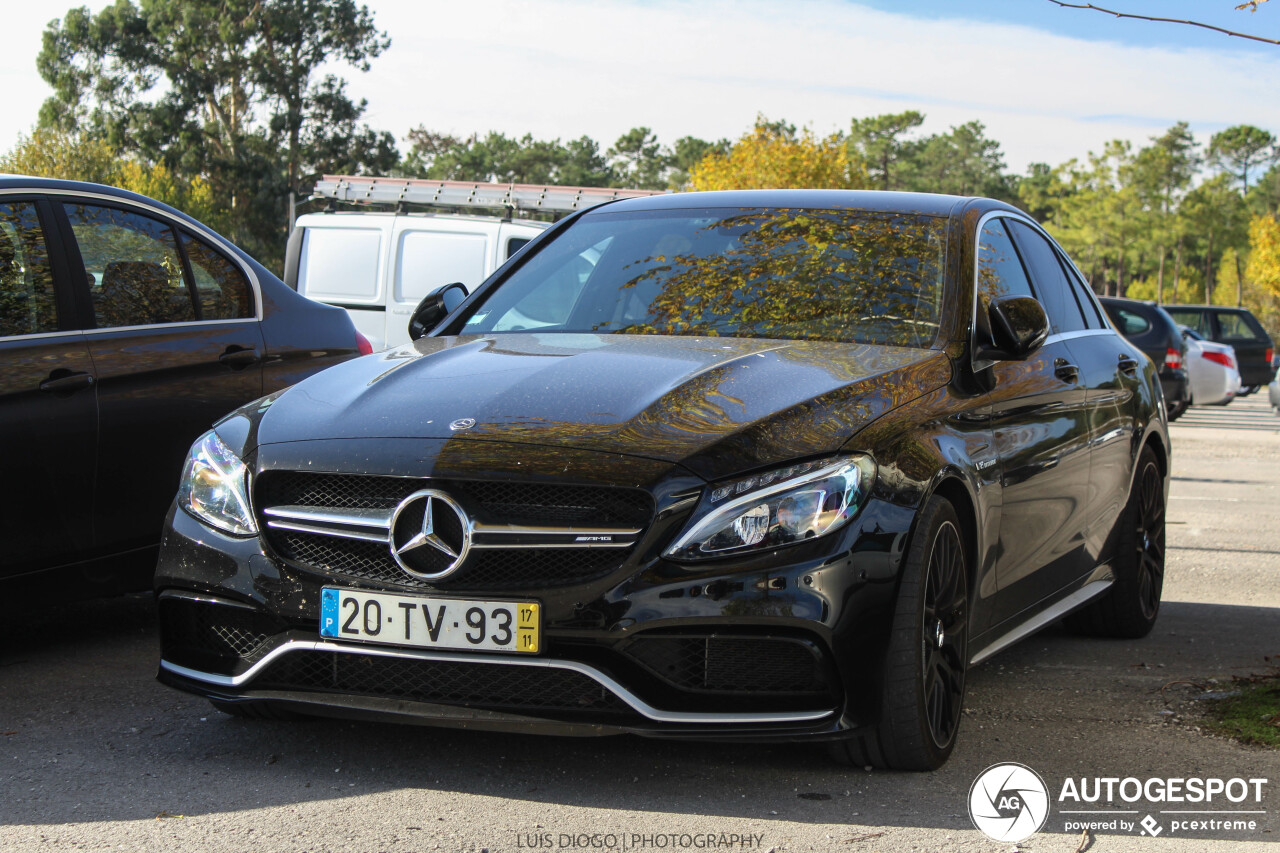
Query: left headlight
x,y
776,508
214,487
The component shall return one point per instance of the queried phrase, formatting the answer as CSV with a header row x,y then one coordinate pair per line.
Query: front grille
x,y
530,504
509,568
504,687
744,665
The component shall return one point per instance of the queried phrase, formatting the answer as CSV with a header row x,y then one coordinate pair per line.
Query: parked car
x,y
1153,331
1238,328
127,329
1273,393
781,466
1212,369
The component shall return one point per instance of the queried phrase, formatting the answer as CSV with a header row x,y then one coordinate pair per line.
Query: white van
x,y
379,263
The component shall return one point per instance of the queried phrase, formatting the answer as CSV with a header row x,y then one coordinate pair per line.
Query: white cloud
x,y
565,68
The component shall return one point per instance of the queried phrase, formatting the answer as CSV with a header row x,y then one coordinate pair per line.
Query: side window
x,y
1000,272
1236,328
1084,298
1052,286
27,302
1127,322
222,290
1192,319
133,265
515,244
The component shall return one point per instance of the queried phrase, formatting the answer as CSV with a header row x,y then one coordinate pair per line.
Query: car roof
x,y
932,204
26,182
1225,309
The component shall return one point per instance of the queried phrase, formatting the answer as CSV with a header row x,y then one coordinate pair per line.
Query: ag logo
x,y
1008,802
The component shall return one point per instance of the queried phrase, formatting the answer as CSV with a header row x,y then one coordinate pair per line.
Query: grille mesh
x,y
217,630
751,665
492,686
493,502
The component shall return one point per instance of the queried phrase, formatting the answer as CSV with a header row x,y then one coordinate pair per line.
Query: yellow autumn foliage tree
x,y
76,157
1264,253
773,156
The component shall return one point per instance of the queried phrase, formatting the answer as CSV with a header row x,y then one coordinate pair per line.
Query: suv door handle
x,y
237,356
1065,370
61,382
1128,365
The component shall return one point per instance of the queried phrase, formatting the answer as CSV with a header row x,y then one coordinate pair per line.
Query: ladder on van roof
x,y
532,197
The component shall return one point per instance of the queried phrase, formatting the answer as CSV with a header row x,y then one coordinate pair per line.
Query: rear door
x,y
176,344
48,405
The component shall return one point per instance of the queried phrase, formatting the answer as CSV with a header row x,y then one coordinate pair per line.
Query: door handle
x,y
1128,366
236,356
62,382
1065,370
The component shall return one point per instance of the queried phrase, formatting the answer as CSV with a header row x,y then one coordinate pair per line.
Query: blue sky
x,y
1049,83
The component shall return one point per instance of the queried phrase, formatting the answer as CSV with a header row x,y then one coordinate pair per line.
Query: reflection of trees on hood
x,y
806,274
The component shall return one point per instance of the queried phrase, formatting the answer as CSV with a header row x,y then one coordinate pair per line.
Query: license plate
x,y
436,623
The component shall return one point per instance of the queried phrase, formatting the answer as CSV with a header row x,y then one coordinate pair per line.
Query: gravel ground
x,y
98,756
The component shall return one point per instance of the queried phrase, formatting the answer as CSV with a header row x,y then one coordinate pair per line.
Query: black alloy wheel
x,y
923,681
1149,542
944,639
1130,607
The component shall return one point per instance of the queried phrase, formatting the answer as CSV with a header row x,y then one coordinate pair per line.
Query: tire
x,y
1130,608
1177,409
923,680
261,711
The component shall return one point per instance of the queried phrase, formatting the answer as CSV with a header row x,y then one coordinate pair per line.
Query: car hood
x,y
715,405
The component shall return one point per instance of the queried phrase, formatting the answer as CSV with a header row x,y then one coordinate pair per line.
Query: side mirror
x,y
1018,328
434,307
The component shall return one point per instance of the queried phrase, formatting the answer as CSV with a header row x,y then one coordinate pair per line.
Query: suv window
x,y
27,302
1233,327
1128,322
221,288
1051,282
1192,318
134,265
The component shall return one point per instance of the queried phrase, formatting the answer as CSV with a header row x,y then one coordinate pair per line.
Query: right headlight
x,y
214,487
776,508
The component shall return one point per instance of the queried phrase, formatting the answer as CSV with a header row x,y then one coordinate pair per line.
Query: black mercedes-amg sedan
x,y
746,465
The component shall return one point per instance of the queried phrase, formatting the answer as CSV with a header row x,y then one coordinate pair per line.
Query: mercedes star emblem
x,y
462,423
430,535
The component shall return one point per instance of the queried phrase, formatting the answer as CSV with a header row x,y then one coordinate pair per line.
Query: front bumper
x,y
764,649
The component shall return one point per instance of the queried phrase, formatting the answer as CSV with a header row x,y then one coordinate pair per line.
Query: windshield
x,y
828,275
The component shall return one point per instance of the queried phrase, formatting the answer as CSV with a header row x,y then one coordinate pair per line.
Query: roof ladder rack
x,y
530,197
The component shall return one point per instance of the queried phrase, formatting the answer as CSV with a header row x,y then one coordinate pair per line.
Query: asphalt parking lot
x,y
98,756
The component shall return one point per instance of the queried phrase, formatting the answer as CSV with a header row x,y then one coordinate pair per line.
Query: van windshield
x,y
832,275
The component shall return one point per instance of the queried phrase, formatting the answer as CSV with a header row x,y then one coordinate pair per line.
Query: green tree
x,y
878,141
963,161
1214,218
1162,173
688,152
638,159
220,89
1241,149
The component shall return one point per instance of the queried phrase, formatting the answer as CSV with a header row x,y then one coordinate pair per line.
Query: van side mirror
x,y
434,307
1018,328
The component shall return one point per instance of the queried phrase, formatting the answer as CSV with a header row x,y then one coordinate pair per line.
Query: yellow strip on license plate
x,y
428,622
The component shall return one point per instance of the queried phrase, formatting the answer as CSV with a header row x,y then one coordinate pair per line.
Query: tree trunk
x,y
1177,268
1239,283
1160,279
1208,272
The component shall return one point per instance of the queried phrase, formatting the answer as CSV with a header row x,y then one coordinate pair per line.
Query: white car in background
x,y
1273,390
1212,370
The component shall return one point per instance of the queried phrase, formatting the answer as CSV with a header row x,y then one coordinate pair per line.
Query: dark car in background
x,y
1154,331
1241,330
775,465
126,329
